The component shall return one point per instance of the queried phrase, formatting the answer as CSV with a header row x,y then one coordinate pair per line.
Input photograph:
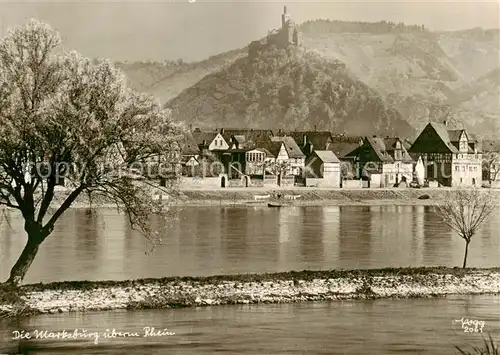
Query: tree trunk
x,y
20,268
465,255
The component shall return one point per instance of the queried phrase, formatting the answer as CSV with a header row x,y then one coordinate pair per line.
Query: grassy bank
x,y
253,288
308,197
317,197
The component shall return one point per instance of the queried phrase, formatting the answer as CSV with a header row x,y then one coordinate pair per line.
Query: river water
x,y
213,240
381,327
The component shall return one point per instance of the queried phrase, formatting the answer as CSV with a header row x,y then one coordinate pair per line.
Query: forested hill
x,y
416,70
292,89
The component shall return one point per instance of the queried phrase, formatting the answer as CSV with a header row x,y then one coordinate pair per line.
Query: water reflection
x,y
312,229
418,237
235,234
213,240
437,237
355,237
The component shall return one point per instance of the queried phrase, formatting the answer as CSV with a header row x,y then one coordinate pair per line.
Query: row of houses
x,y
440,155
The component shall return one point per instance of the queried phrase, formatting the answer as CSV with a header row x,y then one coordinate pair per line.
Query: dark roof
x,y
291,146
267,152
200,136
249,134
415,156
344,146
273,148
379,148
451,137
448,136
455,134
384,148
189,146
319,139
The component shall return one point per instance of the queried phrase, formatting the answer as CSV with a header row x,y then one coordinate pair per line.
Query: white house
x,y
212,141
258,159
385,161
451,156
323,169
290,154
218,143
491,161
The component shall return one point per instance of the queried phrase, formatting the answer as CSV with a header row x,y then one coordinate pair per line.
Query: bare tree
x,y
491,165
347,170
63,114
465,211
279,168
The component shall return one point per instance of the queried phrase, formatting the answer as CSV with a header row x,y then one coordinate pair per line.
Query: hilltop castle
x,y
288,34
281,38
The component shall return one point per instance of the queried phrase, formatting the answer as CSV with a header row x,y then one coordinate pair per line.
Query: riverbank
x,y
304,197
249,289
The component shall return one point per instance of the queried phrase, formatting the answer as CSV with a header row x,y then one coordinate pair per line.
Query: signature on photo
x,y
471,325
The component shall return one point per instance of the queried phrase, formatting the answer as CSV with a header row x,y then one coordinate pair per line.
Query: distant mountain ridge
x,y
417,69
168,79
287,88
411,67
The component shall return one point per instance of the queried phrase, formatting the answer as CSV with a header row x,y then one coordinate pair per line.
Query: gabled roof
x,y
345,146
384,148
267,152
273,148
455,134
249,134
318,139
190,146
326,156
350,153
449,137
443,134
291,146
378,146
200,136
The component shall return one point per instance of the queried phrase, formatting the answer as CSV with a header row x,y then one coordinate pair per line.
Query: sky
x,y
173,29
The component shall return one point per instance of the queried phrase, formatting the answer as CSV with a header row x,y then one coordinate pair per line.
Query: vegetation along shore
x,y
300,197
293,286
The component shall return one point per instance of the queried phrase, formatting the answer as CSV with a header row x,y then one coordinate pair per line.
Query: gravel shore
x,y
247,289
306,197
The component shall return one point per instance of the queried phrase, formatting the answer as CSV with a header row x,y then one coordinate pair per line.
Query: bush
x,y
490,348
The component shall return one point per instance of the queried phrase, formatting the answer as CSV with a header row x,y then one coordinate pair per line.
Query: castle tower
x,y
285,17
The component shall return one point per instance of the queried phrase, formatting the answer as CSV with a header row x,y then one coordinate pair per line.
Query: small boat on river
x,y
277,204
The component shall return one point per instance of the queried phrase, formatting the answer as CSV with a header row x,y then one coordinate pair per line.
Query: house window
x,y
463,168
457,168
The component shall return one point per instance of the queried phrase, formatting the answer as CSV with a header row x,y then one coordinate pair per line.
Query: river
x,y
380,327
212,240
